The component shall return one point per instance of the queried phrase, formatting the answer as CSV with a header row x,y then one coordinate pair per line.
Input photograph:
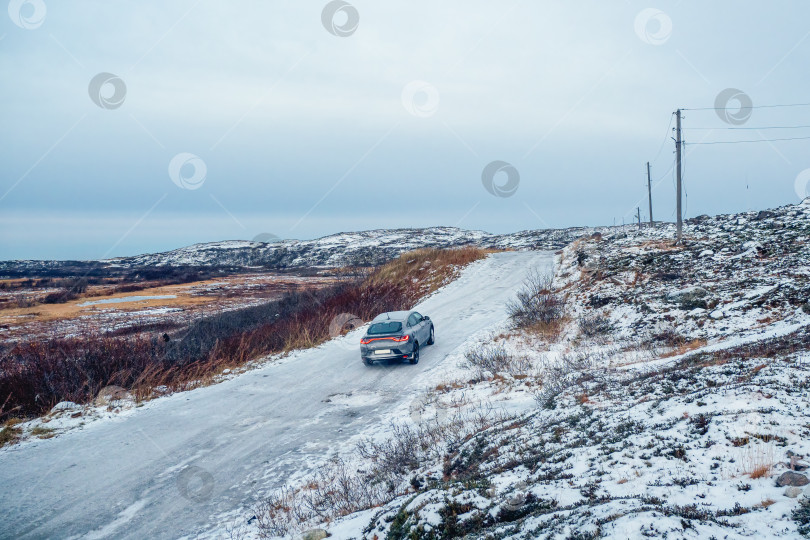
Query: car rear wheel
x,y
415,356
432,338
368,362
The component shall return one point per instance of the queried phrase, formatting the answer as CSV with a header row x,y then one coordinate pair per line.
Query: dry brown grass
x,y
761,471
548,331
425,270
303,338
9,434
757,460
685,348
765,503
660,245
449,386
43,432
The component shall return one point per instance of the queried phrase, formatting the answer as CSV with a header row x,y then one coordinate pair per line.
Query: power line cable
x,y
747,107
671,170
754,141
666,136
754,128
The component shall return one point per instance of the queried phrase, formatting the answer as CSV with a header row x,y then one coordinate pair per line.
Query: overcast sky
x,y
224,120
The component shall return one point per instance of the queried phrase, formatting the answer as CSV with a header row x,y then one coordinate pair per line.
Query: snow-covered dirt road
x,y
171,468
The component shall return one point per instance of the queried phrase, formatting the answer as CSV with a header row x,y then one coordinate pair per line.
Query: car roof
x,y
392,315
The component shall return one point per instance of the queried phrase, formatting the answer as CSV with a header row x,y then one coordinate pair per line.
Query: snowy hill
x,y
669,400
345,249
363,248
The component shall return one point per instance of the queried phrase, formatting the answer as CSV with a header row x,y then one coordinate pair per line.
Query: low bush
x,y
670,337
22,302
537,304
595,325
160,326
801,515
495,359
60,297
562,374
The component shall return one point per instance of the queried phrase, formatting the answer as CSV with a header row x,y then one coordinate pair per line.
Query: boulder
x,y
314,534
63,406
765,214
790,478
691,298
793,492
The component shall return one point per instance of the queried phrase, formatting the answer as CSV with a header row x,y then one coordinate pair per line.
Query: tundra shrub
x,y
495,359
595,325
536,303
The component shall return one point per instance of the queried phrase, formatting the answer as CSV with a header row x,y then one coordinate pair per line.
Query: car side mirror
x,y
427,318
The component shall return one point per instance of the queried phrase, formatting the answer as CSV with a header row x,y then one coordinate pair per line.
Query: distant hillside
x,y
364,248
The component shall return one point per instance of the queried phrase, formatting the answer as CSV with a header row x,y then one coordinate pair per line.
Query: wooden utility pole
x,y
649,192
638,216
678,145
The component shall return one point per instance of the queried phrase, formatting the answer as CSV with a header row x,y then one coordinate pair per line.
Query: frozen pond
x,y
128,299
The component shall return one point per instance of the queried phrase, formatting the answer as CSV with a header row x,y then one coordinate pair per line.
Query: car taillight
x,y
366,341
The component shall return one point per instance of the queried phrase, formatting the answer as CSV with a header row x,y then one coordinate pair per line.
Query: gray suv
x,y
396,335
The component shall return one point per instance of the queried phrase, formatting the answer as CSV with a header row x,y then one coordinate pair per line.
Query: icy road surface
x,y
168,469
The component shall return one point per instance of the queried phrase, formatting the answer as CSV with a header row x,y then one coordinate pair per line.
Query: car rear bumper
x,y
400,352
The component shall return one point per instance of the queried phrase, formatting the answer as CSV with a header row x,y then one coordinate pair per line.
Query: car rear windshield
x,y
390,327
